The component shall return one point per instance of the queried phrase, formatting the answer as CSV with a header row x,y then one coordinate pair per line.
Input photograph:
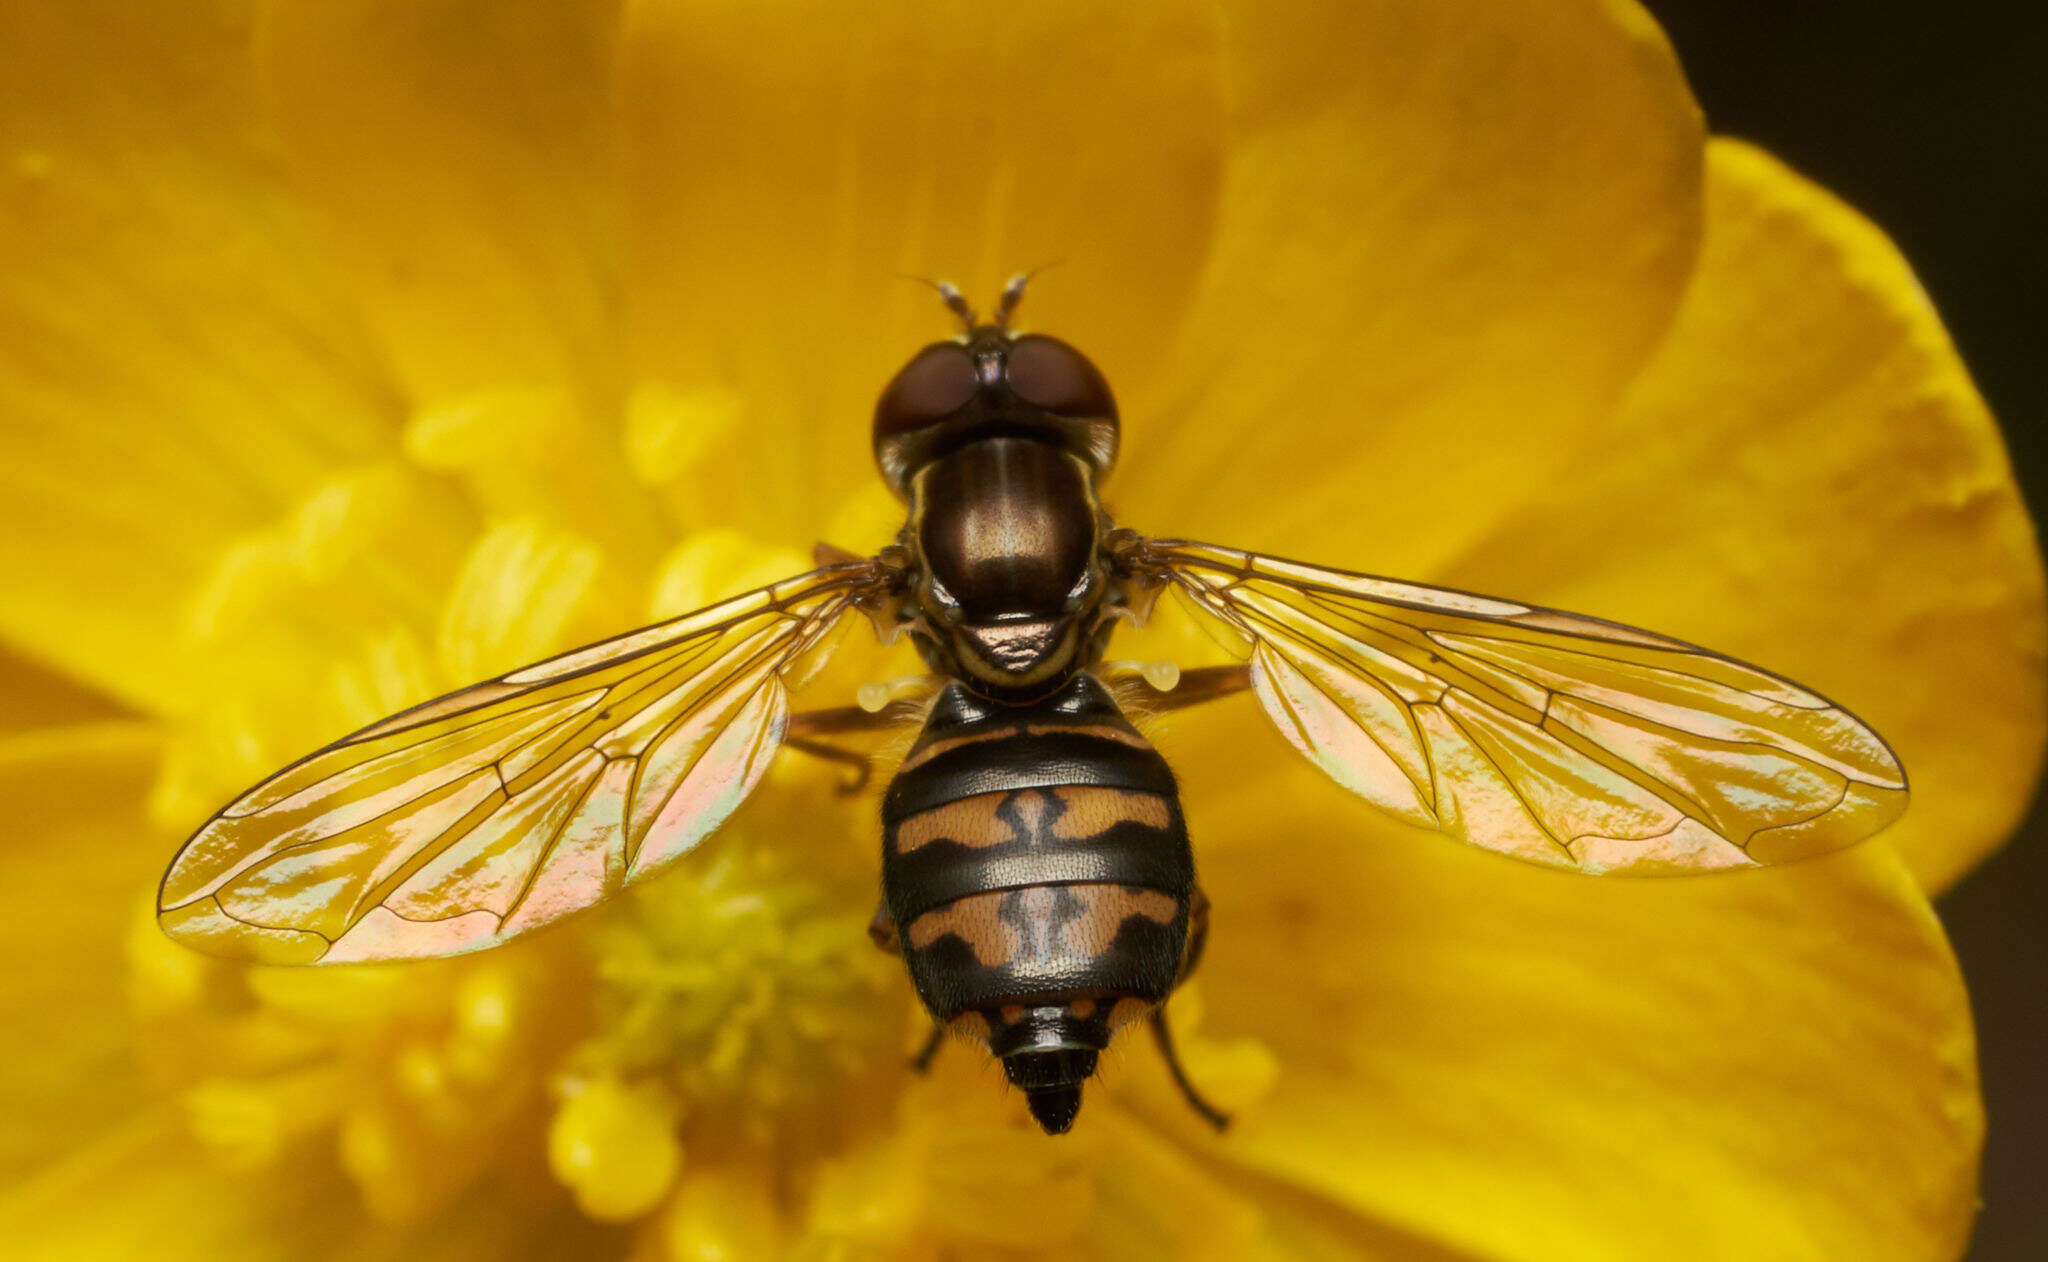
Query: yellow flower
x,y
355,351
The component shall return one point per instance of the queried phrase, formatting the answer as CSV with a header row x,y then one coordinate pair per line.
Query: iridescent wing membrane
x,y
493,810
1549,736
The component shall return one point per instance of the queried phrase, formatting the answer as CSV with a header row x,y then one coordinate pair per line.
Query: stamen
x,y
746,982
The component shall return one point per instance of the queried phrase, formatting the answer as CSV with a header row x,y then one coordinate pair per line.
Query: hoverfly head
x,y
991,382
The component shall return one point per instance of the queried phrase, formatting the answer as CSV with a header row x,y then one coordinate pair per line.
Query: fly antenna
x,y
1013,293
950,294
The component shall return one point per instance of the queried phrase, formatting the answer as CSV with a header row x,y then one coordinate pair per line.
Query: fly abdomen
x,y
1024,907
1037,868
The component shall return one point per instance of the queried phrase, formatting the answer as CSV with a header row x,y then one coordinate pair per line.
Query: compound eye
x,y
1047,373
932,386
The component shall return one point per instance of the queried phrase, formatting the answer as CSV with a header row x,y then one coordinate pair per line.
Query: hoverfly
x,y
1036,873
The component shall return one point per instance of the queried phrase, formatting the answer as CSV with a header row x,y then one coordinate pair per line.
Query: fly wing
x,y
1548,736
496,809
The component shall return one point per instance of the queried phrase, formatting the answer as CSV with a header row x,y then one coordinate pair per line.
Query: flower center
x,y
736,1006
742,983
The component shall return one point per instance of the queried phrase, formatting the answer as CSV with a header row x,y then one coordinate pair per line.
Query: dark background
x,y
1933,120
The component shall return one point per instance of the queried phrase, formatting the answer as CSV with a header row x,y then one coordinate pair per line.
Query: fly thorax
x,y
1007,531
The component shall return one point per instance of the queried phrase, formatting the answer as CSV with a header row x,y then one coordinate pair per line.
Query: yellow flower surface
x,y
353,351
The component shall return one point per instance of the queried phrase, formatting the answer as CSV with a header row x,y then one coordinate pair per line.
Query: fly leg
x,y
877,716
1203,683
861,767
1170,688
1161,1035
882,930
1198,937
1193,687
922,1062
807,729
824,554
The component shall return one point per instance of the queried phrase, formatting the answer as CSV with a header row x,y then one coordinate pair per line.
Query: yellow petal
x,y
1450,232
76,858
711,564
785,161
520,590
148,1192
459,151
539,452
33,696
1805,477
1520,1063
1158,1200
176,364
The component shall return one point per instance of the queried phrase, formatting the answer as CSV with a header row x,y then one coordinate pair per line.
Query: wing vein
x,y
1507,779
391,788
1603,724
